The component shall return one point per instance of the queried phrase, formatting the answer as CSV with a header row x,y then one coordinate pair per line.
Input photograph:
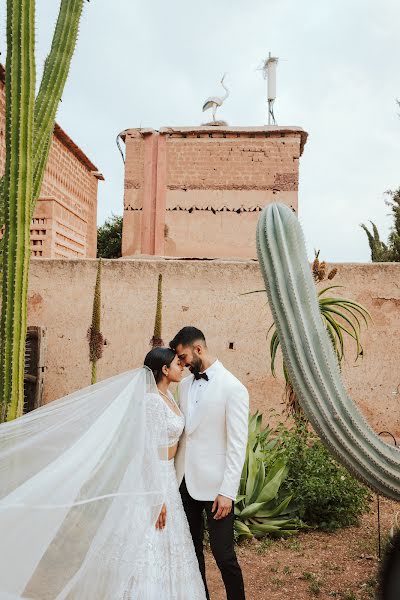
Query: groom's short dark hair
x,y
187,336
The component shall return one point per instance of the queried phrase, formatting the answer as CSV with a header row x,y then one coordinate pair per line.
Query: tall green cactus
x,y
310,358
18,185
29,127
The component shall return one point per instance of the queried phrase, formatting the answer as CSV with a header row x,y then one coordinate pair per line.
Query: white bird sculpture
x,y
215,101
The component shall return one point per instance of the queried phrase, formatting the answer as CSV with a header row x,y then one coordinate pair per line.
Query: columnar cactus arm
x,y
29,128
55,74
310,358
20,98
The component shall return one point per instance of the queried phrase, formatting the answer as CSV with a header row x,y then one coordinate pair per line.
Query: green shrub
x,y
324,493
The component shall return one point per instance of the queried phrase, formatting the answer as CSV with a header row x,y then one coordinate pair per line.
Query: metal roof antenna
x,y
269,72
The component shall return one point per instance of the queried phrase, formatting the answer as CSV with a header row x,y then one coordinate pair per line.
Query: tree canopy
x,y
389,252
109,238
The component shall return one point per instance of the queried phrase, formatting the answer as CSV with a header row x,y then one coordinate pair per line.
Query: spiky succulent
x,y
258,511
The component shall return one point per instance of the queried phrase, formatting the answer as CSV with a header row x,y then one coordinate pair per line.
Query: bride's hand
x,y
162,518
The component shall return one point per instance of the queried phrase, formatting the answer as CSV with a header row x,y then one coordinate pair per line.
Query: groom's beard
x,y
196,366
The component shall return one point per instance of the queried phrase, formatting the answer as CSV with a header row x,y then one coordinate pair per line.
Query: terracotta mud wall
x,y
206,294
197,192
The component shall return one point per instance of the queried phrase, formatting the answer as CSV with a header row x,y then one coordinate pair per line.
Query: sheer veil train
x,y
81,479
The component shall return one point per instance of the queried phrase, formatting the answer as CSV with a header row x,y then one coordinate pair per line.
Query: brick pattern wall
x,y
69,182
69,232
233,163
40,240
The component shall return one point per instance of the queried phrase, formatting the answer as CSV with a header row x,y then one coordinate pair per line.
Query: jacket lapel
x,y
184,395
196,415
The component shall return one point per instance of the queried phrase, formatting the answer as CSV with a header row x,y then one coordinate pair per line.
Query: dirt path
x,y
314,564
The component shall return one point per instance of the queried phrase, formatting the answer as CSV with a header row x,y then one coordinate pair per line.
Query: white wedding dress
x,y
82,482
167,567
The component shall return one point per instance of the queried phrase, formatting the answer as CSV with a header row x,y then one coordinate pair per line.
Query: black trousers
x,y
221,540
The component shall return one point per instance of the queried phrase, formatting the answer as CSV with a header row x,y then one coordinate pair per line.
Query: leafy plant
x,y
324,494
29,127
390,252
109,238
259,509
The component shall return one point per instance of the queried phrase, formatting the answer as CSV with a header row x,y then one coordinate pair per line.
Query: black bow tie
x,y
200,376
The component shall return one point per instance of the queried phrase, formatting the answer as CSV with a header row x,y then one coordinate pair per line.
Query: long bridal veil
x,y
82,479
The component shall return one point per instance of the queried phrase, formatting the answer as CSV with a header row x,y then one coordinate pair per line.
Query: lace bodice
x,y
175,425
160,413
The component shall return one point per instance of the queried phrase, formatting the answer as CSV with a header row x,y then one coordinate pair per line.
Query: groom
x,y
211,452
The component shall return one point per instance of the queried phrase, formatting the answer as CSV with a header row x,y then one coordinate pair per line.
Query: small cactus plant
x,y
157,340
310,357
94,335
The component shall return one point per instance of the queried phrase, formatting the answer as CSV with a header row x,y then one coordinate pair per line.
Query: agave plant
x,y
258,508
341,317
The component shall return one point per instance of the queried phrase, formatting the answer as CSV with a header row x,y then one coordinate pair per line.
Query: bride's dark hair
x,y
157,358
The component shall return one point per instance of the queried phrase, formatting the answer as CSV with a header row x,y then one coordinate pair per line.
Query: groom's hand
x,y
222,505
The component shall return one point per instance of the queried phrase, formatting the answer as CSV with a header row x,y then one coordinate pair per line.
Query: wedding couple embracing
x,y
105,494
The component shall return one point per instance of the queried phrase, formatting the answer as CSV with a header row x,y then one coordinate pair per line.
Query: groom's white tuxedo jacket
x,y
212,448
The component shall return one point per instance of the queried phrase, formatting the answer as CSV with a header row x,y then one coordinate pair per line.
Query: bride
x,y
89,500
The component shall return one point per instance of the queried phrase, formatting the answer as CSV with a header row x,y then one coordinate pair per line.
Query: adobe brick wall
x,y
206,186
242,160
69,181
69,229
206,294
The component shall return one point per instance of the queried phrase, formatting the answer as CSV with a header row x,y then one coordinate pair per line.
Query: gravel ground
x,y
313,564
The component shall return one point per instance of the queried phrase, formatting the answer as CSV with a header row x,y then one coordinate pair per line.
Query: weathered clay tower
x,y
197,191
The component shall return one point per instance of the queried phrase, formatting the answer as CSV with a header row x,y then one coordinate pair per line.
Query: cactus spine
x,y
55,74
310,358
29,127
17,189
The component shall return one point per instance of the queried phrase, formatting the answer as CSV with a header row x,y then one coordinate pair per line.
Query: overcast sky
x,y
153,63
